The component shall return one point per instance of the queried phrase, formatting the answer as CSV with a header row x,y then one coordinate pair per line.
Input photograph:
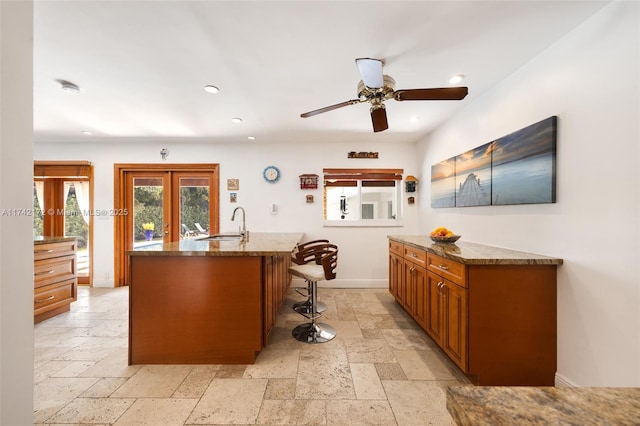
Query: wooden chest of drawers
x,y
54,276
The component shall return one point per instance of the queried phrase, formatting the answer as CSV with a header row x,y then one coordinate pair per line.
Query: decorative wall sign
x,y
308,181
233,184
354,154
519,168
309,198
233,197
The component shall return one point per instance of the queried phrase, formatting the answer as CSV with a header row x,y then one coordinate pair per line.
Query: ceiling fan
x,y
376,88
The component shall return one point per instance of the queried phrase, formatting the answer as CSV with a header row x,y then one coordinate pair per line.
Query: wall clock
x,y
271,174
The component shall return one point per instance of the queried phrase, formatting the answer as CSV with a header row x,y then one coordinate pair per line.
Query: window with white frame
x,y
362,197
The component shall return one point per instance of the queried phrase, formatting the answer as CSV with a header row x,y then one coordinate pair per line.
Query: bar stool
x,y
315,332
305,253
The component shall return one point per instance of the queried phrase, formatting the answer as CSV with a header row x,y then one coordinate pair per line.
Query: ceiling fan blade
x,y
371,72
441,94
330,108
379,119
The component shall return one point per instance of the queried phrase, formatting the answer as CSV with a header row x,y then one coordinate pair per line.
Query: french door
x,y
162,204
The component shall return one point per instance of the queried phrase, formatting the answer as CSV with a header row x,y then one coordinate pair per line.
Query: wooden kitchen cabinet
x,y
494,317
396,270
55,279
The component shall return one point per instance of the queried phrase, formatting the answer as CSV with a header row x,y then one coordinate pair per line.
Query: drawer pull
x,y
45,300
50,271
443,267
414,255
43,251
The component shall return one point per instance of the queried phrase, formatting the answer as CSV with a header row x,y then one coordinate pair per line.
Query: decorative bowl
x,y
450,240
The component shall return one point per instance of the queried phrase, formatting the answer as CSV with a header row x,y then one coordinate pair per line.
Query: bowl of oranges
x,y
444,235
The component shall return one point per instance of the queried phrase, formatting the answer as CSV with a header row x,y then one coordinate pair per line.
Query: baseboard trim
x,y
345,283
563,382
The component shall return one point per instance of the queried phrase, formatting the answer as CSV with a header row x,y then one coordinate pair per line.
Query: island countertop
x,y
475,254
48,240
259,244
504,405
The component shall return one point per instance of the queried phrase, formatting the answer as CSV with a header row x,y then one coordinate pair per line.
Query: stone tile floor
x,y
380,369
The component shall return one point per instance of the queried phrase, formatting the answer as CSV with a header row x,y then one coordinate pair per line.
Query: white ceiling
x,y
142,65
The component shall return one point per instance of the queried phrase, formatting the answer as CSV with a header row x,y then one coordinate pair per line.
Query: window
x,y
362,197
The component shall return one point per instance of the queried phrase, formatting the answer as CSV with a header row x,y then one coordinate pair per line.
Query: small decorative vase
x,y
148,234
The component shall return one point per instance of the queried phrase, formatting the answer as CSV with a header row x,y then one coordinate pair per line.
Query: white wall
x,y
16,183
363,251
590,80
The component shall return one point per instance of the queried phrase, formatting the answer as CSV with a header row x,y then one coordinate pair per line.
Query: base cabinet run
x,y
496,322
55,279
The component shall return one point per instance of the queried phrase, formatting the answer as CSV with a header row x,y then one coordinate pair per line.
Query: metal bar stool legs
x,y
313,332
304,307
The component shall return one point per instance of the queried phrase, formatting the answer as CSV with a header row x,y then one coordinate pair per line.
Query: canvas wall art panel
x,y
473,177
443,184
524,165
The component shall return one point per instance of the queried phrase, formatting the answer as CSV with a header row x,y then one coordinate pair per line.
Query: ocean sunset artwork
x,y
443,184
519,168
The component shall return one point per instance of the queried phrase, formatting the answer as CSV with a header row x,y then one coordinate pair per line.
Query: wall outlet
x,y
273,208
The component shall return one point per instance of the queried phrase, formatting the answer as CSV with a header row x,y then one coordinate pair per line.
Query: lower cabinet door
x,y
435,316
420,287
454,339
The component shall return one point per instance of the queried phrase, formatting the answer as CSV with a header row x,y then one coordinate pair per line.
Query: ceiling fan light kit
x,y
375,88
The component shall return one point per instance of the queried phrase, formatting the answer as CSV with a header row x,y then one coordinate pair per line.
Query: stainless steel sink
x,y
222,237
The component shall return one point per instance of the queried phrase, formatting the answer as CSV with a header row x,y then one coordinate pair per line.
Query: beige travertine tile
x,y
154,381
417,402
196,382
408,339
369,350
230,401
384,322
390,371
354,413
271,363
104,387
292,412
157,411
280,389
92,410
346,329
366,382
324,373
51,394
423,365
230,372
113,365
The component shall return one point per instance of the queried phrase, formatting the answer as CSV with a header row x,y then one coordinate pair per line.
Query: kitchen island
x,y
199,301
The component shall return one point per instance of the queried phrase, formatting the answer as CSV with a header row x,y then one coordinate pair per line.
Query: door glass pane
x,y
76,224
194,206
38,208
147,211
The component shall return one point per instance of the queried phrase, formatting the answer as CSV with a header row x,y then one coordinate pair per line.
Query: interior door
x,y
169,205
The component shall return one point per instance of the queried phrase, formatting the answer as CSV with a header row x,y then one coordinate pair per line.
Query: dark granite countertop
x,y
504,405
48,240
259,244
475,254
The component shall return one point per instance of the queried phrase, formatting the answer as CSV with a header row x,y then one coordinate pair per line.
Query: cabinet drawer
x,y
415,255
53,295
49,271
50,250
454,271
396,247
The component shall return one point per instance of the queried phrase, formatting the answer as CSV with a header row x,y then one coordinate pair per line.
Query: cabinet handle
x,y
414,255
43,251
50,271
443,267
45,300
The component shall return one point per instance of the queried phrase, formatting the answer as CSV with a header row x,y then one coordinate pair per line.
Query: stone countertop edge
x,y
475,254
48,240
513,405
259,244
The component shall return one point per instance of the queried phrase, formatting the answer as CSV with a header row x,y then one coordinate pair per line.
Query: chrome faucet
x,y
244,232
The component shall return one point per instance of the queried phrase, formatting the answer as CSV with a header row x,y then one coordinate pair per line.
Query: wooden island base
x,y
203,309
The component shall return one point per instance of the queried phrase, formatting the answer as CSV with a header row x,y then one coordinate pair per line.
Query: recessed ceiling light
x,y
251,138
456,79
236,120
86,132
69,87
414,119
211,89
